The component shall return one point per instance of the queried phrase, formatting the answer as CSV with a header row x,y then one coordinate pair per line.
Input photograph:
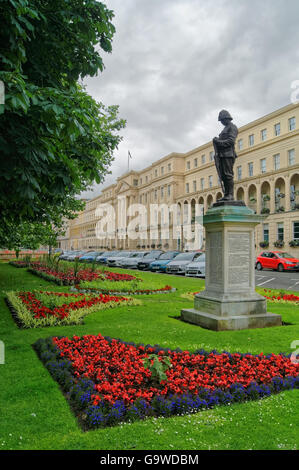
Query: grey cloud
x,y
176,63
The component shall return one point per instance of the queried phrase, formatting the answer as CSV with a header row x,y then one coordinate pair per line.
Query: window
x,y
156,194
210,181
140,180
292,123
168,189
194,186
145,198
156,173
135,182
263,165
266,232
169,166
187,187
250,169
212,155
291,157
195,163
203,159
251,140
140,199
240,144
296,230
146,179
263,134
280,231
202,183
276,159
162,170
277,129
188,166
239,172
162,192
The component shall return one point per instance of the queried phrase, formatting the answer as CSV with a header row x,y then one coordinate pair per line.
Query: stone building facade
x,y
266,178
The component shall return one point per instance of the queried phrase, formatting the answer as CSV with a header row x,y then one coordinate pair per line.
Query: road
x,y
268,279
275,280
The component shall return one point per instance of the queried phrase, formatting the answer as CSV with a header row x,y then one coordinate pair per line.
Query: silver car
x,y
132,261
197,268
179,264
115,260
75,255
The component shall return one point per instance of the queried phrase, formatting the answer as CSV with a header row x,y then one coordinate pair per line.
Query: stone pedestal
x,y
229,301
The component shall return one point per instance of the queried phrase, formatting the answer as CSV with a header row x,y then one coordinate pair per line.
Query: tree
x,y
55,139
30,236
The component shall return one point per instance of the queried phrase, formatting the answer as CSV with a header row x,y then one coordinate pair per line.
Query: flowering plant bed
x,y
281,297
109,381
68,277
123,290
23,263
38,309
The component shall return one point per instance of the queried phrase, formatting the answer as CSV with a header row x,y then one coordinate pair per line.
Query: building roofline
x,y
255,122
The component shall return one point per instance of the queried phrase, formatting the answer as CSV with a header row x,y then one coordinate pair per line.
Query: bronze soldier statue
x,y
225,155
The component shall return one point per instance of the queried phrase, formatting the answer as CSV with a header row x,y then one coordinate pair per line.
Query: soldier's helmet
x,y
224,115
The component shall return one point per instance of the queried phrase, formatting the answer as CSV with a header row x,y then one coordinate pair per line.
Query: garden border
x,y
91,416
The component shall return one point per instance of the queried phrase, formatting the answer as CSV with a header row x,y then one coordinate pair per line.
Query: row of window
x,y
202,184
280,231
203,160
144,197
251,142
263,169
263,133
156,174
263,164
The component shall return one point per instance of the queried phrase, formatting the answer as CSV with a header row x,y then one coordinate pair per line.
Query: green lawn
x,y
35,414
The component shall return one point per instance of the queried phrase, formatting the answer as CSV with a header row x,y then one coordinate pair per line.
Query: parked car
x,y
115,260
179,263
161,263
132,261
145,263
76,254
104,256
90,256
65,254
278,260
197,268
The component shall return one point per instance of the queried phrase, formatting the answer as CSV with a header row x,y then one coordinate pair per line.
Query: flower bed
x,y
125,290
23,263
39,309
282,297
68,277
107,382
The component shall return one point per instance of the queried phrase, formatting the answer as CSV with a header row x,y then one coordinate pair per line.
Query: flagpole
x,y
129,156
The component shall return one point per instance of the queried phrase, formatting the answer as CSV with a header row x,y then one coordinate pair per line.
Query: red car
x,y
278,260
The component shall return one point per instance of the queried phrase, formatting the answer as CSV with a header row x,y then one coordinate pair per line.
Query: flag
x,y
129,154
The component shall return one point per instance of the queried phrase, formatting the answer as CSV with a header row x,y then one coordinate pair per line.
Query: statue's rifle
x,y
217,165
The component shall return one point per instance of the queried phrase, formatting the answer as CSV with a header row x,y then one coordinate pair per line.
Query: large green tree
x,y
55,139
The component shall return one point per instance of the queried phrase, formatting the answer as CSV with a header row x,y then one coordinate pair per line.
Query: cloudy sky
x,y
176,63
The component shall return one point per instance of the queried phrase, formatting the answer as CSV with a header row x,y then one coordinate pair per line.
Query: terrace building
x,y
266,178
